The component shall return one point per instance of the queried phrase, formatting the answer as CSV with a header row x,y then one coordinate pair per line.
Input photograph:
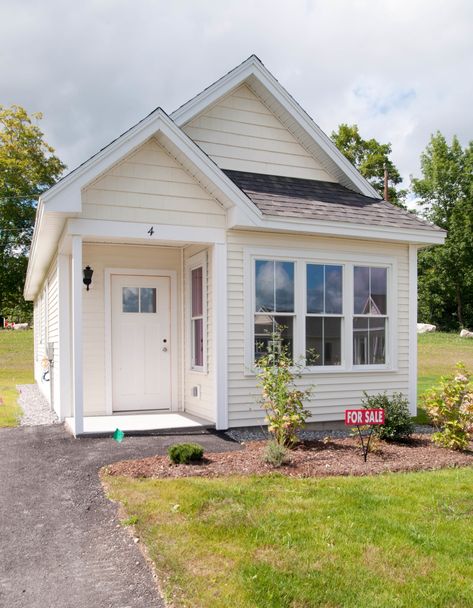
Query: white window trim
x,y
199,260
348,261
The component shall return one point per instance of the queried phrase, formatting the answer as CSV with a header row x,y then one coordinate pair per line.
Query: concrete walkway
x,y
61,545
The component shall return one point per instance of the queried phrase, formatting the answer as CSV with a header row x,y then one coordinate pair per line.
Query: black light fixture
x,y
87,272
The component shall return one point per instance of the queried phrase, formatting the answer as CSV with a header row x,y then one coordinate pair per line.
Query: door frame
x,y
174,337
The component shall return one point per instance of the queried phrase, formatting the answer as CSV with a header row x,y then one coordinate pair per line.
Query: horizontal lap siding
x,y
151,186
333,393
53,331
205,406
240,132
100,257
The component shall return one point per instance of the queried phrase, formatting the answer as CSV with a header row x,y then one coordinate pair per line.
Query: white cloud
x,y
94,68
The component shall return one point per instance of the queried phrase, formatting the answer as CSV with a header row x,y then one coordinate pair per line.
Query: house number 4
x,y
151,231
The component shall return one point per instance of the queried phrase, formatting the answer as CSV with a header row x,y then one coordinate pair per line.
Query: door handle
x,y
165,350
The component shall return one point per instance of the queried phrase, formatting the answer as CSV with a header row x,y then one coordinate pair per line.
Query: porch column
x,y
413,329
220,346
77,366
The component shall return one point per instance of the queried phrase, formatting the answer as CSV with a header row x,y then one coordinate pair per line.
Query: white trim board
x,y
174,338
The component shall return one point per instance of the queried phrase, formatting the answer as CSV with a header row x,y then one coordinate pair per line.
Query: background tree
x,y
370,158
28,166
446,195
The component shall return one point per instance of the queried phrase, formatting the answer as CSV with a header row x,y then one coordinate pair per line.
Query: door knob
x,y
165,350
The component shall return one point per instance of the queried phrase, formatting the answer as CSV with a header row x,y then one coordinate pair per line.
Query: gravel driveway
x,y
61,545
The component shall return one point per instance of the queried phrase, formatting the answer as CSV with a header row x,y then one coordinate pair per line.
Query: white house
x,y
203,229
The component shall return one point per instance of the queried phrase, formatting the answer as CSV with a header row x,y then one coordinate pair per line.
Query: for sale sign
x,y
364,417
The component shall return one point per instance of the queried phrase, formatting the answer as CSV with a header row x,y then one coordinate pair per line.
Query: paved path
x,y
60,542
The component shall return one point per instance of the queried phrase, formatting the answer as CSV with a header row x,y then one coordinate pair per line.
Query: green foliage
x,y
130,521
370,158
28,166
450,408
281,399
445,192
276,454
185,453
398,424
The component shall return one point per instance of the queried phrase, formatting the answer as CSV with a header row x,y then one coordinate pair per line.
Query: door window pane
x,y
148,299
265,325
130,299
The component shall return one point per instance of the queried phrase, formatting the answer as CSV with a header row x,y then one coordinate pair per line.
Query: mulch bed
x,y
309,459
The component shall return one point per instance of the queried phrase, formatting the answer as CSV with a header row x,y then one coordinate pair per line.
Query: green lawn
x,y
16,367
396,540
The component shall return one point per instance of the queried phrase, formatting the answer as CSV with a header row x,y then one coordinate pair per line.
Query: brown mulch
x,y
309,459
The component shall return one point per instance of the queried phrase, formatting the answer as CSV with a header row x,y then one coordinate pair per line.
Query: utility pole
x,y
386,179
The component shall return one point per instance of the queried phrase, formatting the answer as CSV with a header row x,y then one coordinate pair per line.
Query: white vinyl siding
x,y
151,186
335,390
239,132
202,405
53,333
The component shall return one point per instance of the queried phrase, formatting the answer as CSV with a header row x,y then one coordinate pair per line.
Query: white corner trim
x,y
220,334
174,338
413,330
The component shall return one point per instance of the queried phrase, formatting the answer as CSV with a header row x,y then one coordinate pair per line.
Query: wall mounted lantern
x,y
87,272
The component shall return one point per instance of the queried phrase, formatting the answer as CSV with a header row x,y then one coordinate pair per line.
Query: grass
x,y
437,355
397,540
16,367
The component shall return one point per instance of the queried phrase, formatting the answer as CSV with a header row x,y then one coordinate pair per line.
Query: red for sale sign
x,y
364,417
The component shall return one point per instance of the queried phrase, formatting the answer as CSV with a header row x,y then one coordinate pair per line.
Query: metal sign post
x,y
361,418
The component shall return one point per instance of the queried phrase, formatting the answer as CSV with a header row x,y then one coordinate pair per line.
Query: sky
x,y
400,69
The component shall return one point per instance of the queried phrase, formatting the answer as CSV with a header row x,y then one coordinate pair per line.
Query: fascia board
x,y
253,67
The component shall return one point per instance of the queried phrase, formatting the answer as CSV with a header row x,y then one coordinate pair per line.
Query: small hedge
x,y
185,453
398,425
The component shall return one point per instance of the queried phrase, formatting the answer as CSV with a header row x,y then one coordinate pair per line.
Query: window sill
x,y
337,369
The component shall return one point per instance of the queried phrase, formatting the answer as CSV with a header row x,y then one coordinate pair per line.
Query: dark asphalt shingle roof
x,y
310,199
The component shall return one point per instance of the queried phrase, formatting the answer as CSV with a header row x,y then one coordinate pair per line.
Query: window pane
x,y
377,344
130,302
197,292
360,341
198,342
148,299
361,288
284,275
265,325
332,341
313,340
378,291
315,288
264,288
333,290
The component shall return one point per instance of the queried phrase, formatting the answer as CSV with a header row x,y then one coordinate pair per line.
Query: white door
x,y
141,349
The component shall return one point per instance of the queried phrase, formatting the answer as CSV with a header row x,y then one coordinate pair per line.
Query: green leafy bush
x,y
449,405
275,454
281,399
398,425
185,453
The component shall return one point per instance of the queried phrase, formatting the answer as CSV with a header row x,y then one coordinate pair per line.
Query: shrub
x,y
449,405
281,399
275,454
398,424
185,453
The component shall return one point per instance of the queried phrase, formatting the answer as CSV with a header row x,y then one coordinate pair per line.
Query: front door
x,y
141,349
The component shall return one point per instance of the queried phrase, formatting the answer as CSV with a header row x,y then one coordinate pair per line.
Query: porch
x,y
141,424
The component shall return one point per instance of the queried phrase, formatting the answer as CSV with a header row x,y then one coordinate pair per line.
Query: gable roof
x,y
316,200
254,74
